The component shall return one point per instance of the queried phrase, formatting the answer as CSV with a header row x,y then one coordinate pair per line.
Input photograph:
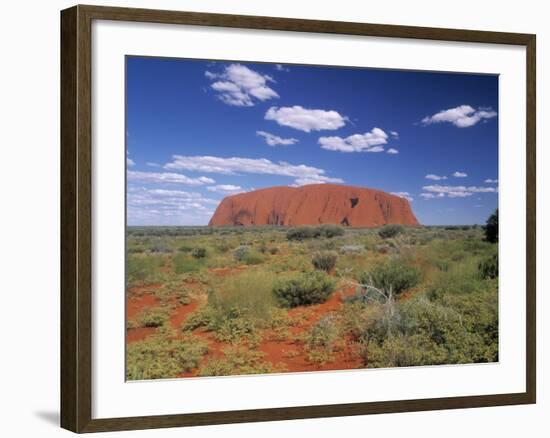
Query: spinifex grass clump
x,y
488,268
391,230
304,289
322,340
308,232
391,277
184,263
162,357
238,361
143,269
237,307
324,260
199,253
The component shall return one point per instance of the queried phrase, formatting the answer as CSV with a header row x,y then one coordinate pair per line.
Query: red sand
x,y
313,205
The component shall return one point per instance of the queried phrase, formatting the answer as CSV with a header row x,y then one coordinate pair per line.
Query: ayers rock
x,y
313,205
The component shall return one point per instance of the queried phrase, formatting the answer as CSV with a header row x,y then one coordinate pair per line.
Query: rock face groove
x,y
313,205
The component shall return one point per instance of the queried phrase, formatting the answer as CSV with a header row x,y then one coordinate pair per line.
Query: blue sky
x,y
198,131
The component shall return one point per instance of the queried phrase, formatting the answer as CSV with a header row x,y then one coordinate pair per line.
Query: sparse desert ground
x,y
230,301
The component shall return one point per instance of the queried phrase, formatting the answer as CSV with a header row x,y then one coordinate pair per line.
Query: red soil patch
x,y
181,312
136,305
224,272
291,353
138,334
139,291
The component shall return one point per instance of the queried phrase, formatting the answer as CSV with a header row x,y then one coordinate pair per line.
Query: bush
x,y
142,269
391,230
252,258
393,276
455,329
329,230
304,289
238,361
324,260
273,250
159,357
250,292
240,252
199,253
488,268
322,340
308,232
301,233
183,264
153,316
352,249
491,228
237,307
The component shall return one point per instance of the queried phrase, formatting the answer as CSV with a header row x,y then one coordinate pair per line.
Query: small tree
x,y
491,228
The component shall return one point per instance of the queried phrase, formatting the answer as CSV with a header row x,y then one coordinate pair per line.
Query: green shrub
x,y
391,275
488,268
184,263
455,329
173,291
240,252
329,231
237,307
250,292
390,230
199,253
324,260
309,232
159,357
153,316
301,233
252,258
352,249
322,340
459,278
304,289
238,361
185,248
491,228
160,246
142,269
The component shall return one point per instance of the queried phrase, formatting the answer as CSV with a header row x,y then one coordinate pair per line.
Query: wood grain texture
x,y
76,219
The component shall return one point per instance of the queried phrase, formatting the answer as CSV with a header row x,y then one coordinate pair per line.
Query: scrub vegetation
x,y
243,300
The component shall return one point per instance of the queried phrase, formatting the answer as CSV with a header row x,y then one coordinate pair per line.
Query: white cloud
x,y
368,142
281,67
274,140
304,119
435,177
458,174
168,207
462,116
226,189
240,86
456,191
167,178
234,165
394,135
405,195
130,162
151,164
392,151
491,181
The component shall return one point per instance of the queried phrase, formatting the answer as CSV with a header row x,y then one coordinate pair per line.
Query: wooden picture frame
x,y
76,218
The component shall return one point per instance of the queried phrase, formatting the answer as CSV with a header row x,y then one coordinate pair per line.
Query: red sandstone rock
x,y
313,205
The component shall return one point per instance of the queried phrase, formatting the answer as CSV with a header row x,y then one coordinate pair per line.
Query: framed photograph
x,y
268,219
